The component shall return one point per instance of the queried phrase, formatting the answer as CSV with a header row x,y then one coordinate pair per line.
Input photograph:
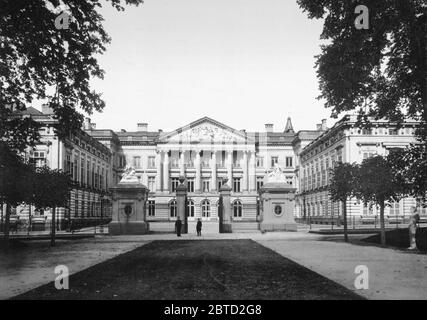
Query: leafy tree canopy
x,y
36,58
342,182
380,72
378,182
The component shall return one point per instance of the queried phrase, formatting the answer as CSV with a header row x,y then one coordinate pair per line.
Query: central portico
x,y
206,153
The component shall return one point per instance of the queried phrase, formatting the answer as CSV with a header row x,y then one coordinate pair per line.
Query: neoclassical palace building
x,y
208,153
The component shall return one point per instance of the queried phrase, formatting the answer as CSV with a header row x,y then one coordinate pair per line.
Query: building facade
x,y
87,161
345,142
209,153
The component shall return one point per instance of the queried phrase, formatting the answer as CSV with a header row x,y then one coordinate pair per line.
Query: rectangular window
x,y
236,184
75,169
206,185
289,162
174,184
151,208
190,185
76,208
151,183
83,209
151,162
219,183
137,162
88,173
274,161
259,182
394,208
392,132
82,170
259,162
38,158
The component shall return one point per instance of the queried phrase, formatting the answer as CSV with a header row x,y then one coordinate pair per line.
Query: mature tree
x,y
342,186
51,188
43,57
378,183
410,167
14,186
380,71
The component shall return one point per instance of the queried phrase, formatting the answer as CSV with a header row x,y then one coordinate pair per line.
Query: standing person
x,y
178,225
199,227
413,229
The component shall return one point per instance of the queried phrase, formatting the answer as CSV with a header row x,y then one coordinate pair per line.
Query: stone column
x,y
213,163
159,171
245,171
181,196
197,187
252,178
225,210
181,163
230,166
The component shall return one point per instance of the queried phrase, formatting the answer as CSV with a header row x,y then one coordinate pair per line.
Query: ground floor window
x,y
151,208
395,208
190,208
76,208
172,209
237,209
206,209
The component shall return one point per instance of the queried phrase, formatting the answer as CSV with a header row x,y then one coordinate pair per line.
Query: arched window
x,y
172,208
190,208
206,209
237,209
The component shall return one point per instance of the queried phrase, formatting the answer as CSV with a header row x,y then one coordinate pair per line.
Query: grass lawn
x,y
211,269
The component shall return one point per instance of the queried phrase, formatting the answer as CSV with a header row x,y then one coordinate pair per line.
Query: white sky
x,y
241,62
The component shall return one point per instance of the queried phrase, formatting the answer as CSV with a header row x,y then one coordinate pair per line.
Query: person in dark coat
x,y
199,227
178,225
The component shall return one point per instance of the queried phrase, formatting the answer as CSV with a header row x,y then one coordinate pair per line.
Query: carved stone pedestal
x,y
129,208
278,201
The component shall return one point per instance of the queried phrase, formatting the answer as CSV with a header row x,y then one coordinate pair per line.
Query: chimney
x,y
160,131
269,127
46,109
319,127
86,124
324,126
142,127
93,126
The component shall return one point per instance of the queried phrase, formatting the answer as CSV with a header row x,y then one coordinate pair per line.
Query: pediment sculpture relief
x,y
206,133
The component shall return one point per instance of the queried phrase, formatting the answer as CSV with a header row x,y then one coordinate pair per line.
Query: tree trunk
x,y
53,228
382,223
6,226
345,220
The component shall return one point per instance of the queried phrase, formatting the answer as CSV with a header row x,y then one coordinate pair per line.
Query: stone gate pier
x,y
129,206
277,203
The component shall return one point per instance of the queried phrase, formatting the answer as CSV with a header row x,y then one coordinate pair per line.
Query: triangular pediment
x,y
204,130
